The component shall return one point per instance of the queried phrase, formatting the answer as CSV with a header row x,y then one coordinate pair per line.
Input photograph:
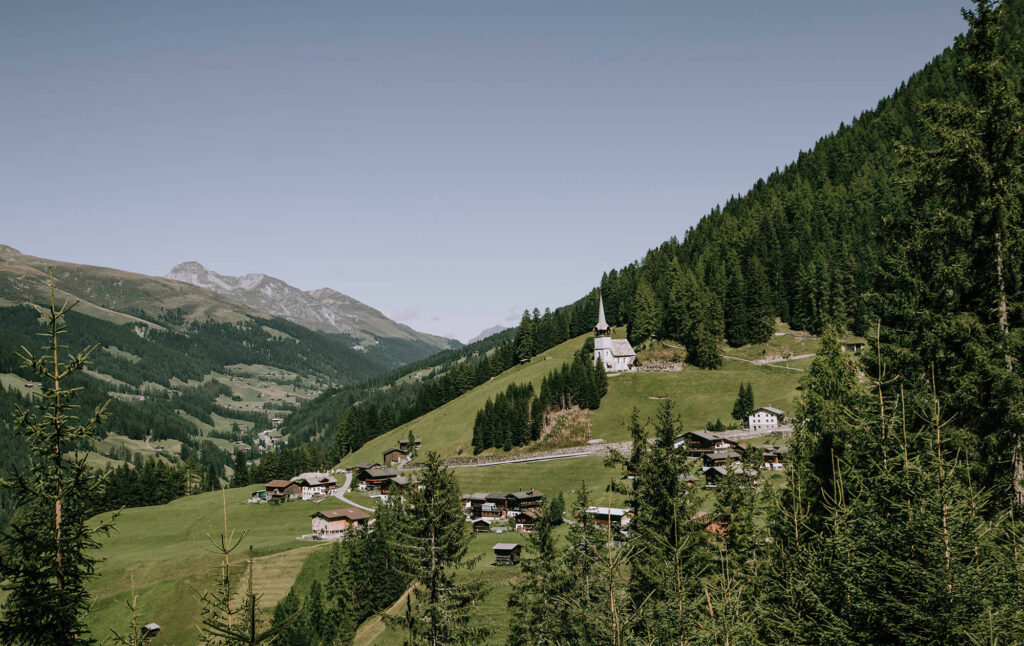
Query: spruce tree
x,y
953,281
646,315
439,611
46,559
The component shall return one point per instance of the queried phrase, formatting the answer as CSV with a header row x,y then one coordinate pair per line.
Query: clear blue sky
x,y
448,163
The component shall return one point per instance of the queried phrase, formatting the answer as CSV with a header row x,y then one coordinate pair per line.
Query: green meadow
x,y
165,550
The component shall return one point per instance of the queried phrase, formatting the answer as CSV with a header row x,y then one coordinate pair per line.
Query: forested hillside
x,y
802,245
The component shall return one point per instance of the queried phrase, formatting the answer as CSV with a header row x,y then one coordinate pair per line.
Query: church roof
x,y
622,348
602,324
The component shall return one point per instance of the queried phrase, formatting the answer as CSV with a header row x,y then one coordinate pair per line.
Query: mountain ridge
x,y
324,309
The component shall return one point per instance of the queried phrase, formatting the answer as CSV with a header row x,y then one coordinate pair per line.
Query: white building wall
x,y
763,419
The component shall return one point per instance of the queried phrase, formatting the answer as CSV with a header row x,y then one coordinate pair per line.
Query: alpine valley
x,y
798,423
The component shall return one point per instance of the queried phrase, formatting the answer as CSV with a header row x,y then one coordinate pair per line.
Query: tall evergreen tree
x,y
440,611
46,558
953,284
645,320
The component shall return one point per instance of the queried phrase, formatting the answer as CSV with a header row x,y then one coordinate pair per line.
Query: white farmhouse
x,y
765,418
615,354
315,484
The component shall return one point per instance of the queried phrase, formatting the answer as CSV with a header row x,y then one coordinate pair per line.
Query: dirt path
x,y
373,627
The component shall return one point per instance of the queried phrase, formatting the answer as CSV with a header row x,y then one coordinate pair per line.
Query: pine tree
x,y
524,338
739,408
47,550
951,292
536,616
646,315
440,611
341,602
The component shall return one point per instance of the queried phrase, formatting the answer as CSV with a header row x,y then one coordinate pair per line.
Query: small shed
x,y
506,553
395,456
149,631
481,525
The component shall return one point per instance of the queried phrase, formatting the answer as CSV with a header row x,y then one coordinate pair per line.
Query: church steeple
x,y
602,328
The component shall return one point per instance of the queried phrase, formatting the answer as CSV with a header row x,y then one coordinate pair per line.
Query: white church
x,y
616,354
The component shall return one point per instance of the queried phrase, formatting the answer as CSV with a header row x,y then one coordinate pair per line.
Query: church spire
x,y
602,325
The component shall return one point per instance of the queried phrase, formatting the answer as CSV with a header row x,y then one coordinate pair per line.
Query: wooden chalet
x,y
481,525
331,524
492,510
720,458
700,442
687,480
507,553
363,466
775,456
375,478
526,519
281,490
395,456
610,516
404,444
714,475
395,486
524,499
473,503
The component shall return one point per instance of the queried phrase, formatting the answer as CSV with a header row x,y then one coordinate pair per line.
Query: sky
x,y
450,164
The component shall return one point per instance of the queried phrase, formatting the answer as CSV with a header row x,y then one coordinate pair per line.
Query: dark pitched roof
x,y
526,495
279,484
351,513
383,472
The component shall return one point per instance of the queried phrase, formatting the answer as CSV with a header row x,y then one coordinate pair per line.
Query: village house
x,y
687,480
852,345
698,443
720,458
481,525
373,479
765,418
507,553
404,444
492,510
260,495
524,500
281,490
331,524
775,456
473,503
610,516
616,355
526,519
315,484
395,486
714,475
394,457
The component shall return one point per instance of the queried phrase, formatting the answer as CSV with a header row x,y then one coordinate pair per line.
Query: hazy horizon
x,y
448,164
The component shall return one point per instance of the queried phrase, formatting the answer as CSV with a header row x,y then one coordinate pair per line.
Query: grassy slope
x,y
450,427
700,396
165,547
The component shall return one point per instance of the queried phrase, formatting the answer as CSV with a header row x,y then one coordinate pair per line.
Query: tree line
x,y
517,417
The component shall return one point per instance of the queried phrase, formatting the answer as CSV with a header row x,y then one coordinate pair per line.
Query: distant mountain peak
x,y
8,252
486,333
324,309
